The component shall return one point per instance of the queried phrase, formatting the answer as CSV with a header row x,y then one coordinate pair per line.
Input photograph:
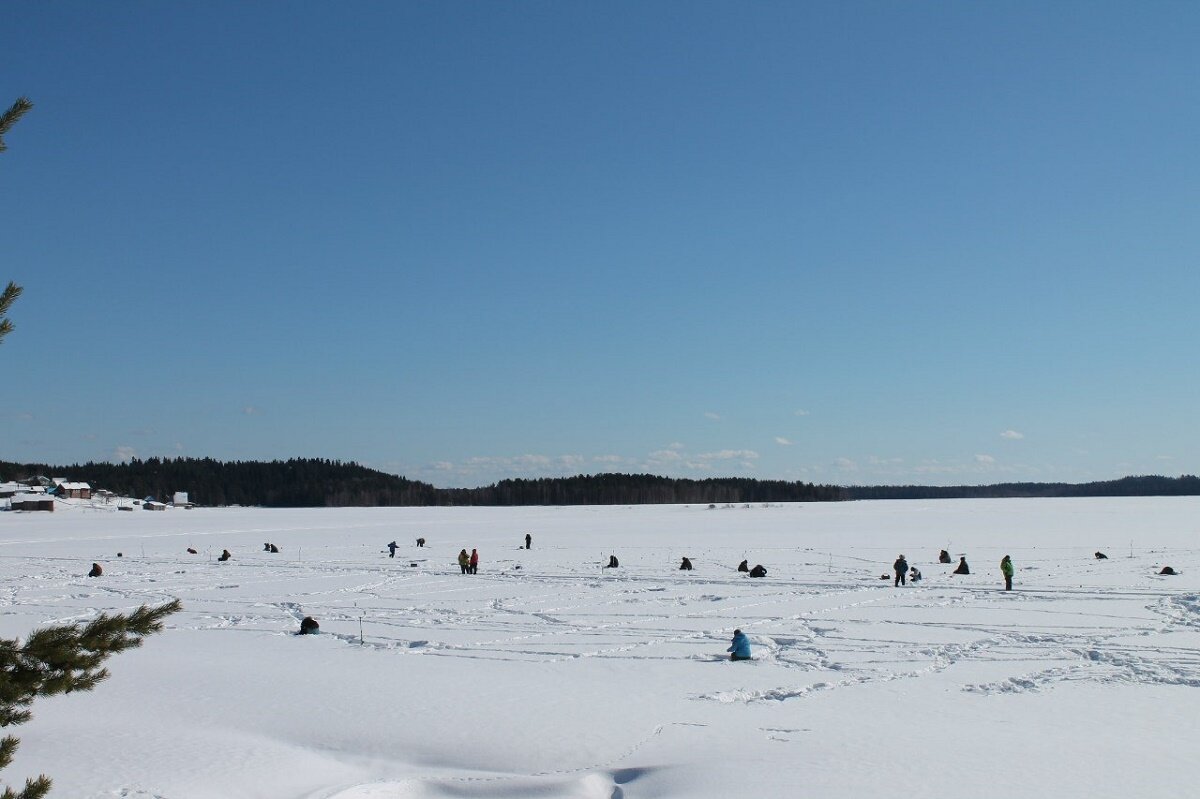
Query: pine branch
x,y
62,659
11,292
10,117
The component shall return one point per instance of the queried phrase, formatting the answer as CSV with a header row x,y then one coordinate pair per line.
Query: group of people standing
x,y
902,569
469,563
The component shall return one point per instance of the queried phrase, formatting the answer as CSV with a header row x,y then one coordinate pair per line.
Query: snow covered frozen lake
x,y
548,676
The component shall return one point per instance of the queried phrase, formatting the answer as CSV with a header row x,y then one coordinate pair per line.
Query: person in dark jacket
x,y
743,567
612,562
740,648
421,542
192,551
392,549
944,557
224,555
1101,556
528,541
758,571
474,561
901,569
96,570
686,565
309,626
962,568
1168,570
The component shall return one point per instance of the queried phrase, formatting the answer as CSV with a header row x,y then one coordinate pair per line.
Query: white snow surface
x,y
546,675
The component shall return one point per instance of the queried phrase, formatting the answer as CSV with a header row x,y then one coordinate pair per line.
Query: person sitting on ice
x,y
914,574
686,565
758,571
1101,556
612,562
96,570
270,548
224,555
1168,570
192,551
309,626
944,557
740,648
743,567
963,568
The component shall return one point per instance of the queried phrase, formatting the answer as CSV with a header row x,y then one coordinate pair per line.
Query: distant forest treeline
x,y
311,482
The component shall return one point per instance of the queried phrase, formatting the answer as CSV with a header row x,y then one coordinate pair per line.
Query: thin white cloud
x,y
250,410
124,454
716,417
845,464
801,412
783,442
1012,434
729,455
984,459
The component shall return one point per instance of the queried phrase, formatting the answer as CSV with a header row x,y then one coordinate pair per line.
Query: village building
x,y
32,502
70,490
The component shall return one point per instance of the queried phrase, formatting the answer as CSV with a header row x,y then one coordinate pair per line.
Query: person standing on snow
x,y
464,561
392,549
740,647
474,561
1006,568
901,567
528,541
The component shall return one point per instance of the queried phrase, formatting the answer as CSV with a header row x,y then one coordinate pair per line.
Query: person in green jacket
x,y
464,561
1007,568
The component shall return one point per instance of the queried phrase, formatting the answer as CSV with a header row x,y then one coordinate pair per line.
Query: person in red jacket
x,y
474,561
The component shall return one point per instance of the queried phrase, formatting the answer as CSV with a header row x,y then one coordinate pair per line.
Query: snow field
x,y
546,675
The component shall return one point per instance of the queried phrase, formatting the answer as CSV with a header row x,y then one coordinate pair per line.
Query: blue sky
x,y
853,243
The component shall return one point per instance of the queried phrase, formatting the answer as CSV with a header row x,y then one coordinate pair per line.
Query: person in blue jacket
x,y
740,648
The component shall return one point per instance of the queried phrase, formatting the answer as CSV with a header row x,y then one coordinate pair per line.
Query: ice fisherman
x,y
225,555
686,565
613,563
309,626
96,571
914,574
743,566
1006,568
944,557
528,541
901,569
464,560
740,648
758,571
962,567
